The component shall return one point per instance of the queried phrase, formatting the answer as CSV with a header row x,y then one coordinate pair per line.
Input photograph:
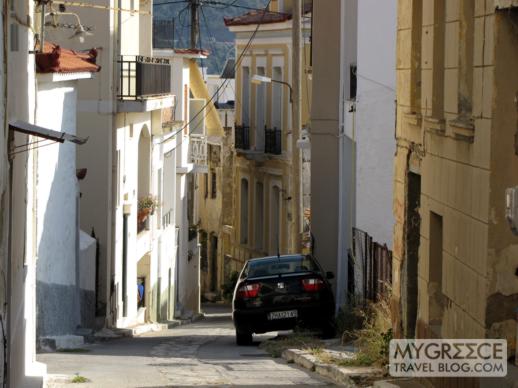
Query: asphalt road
x,y
199,354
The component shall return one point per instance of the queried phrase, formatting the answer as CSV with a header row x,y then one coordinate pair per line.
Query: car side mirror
x,y
330,275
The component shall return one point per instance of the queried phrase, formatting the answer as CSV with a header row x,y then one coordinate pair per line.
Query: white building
x,y
65,279
137,115
352,131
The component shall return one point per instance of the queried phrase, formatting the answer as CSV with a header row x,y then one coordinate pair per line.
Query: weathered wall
x,y
502,298
454,130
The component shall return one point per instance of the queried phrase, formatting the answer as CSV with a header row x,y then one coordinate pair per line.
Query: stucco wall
x,y
57,292
375,117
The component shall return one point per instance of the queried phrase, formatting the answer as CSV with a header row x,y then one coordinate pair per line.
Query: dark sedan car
x,y
280,292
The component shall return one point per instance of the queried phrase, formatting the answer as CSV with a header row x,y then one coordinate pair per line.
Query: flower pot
x,y
143,214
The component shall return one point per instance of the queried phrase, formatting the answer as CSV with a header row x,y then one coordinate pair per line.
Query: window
x,y
204,256
415,70
352,82
260,111
259,215
277,98
435,295
272,267
213,184
244,211
275,220
245,98
438,59
206,185
466,60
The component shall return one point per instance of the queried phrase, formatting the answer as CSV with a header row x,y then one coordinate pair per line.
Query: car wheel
x,y
243,338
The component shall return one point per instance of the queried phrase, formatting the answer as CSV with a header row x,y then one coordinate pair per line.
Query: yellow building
x,y
455,257
266,205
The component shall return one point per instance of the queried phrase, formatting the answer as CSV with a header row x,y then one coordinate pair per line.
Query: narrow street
x,y
202,354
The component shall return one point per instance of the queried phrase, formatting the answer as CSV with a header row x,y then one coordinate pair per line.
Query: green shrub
x,y
370,329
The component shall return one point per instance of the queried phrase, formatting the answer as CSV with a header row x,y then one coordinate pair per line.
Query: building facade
x,y
352,134
267,178
455,255
129,198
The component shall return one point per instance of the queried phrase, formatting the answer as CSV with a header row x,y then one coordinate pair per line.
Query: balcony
x,y
272,141
144,83
242,137
198,152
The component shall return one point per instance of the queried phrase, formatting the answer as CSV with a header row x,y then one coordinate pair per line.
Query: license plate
x,y
282,314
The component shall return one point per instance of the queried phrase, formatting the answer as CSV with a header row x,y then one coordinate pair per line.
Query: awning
x,y
35,130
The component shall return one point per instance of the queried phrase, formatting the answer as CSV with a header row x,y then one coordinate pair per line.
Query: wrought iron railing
x,y
272,141
142,77
242,137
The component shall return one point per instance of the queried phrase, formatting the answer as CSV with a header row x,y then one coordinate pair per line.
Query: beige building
x,y
264,214
455,257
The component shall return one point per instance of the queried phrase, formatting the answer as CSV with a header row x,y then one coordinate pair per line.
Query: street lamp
x,y
261,79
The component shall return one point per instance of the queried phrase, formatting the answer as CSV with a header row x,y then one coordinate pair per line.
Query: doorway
x,y
410,266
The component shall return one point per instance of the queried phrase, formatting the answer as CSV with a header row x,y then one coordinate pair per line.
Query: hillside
x,y
215,36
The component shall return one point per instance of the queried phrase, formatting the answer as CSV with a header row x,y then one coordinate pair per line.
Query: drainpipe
x,y
125,262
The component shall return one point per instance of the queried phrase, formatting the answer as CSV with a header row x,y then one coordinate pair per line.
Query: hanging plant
x,y
147,203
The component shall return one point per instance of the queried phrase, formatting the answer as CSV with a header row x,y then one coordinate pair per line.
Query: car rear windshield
x,y
274,266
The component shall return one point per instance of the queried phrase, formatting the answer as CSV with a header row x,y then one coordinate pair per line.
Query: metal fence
x,y
143,77
242,137
370,267
272,141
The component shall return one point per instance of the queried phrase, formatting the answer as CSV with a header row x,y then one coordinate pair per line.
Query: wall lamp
x,y
261,79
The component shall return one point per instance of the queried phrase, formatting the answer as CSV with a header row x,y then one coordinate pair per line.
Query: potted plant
x,y
146,206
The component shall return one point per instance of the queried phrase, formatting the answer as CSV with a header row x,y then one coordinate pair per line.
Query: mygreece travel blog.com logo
x,y
448,358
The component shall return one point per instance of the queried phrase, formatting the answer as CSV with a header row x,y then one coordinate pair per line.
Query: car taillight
x,y
248,290
312,285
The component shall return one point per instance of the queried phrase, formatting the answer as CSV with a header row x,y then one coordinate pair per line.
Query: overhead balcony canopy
x,y
144,84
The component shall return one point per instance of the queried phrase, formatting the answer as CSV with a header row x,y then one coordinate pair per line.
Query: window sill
x,y
435,124
463,129
414,119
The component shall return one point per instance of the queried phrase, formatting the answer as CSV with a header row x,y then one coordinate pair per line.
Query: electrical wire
x,y
213,3
170,2
236,66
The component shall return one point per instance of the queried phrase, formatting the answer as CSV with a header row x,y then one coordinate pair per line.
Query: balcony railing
x,y
242,137
272,141
198,150
142,77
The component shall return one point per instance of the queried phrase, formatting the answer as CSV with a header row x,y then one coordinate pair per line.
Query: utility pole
x,y
195,22
296,31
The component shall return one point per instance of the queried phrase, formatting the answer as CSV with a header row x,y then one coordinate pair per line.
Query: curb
x,y
147,328
340,375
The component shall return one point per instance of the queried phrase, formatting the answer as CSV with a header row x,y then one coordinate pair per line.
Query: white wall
x,y
24,371
57,186
375,117
59,300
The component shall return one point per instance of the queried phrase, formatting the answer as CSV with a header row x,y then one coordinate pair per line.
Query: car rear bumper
x,y
256,320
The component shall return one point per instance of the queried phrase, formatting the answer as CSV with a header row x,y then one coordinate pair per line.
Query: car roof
x,y
281,258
